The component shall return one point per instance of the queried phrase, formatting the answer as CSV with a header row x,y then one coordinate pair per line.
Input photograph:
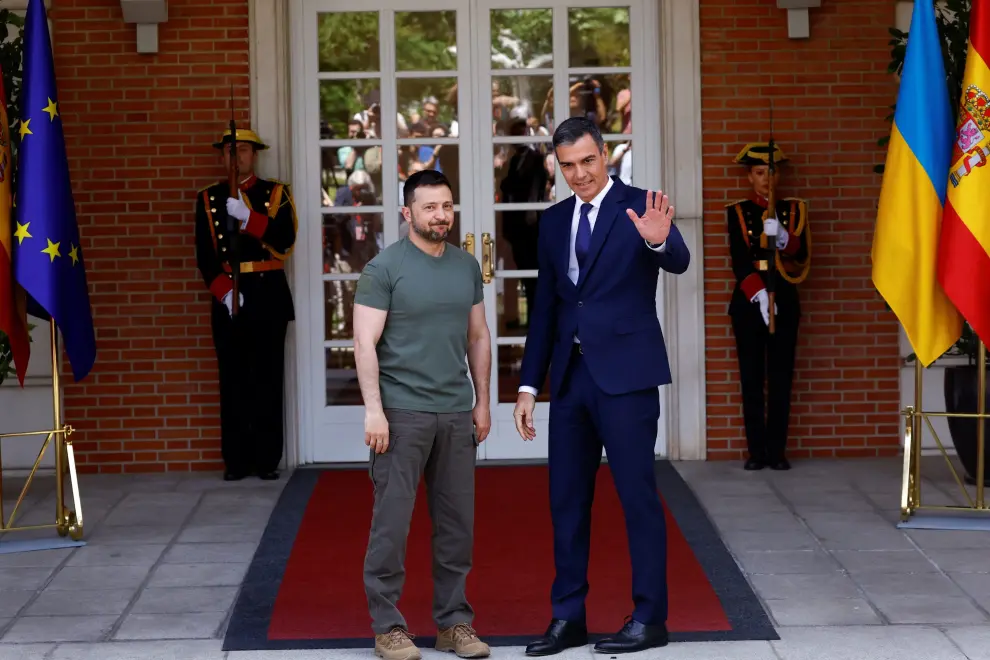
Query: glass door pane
x,y
529,49
521,82
428,98
351,186
384,83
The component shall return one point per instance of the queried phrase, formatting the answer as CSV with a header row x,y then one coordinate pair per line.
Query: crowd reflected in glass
x,y
428,128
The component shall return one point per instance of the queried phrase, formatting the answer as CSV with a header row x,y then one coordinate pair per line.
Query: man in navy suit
x,y
595,321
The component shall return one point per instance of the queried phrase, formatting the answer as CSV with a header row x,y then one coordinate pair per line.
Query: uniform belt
x,y
259,266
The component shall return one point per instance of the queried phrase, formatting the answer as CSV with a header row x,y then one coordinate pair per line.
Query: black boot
x,y
780,464
634,636
560,635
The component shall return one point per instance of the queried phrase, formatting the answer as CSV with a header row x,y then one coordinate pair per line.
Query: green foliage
x,y
6,358
589,39
427,41
523,37
952,17
349,42
11,55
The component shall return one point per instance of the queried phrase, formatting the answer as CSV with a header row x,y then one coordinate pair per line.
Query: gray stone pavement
x,y
165,556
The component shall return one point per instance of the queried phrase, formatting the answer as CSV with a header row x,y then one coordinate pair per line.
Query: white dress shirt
x,y
572,264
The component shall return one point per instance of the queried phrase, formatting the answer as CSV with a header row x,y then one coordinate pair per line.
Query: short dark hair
x,y
422,179
573,129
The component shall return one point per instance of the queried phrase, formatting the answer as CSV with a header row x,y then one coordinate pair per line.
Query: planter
x,y
961,388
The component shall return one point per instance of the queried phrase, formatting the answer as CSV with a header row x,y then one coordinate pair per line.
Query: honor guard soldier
x,y
254,227
769,255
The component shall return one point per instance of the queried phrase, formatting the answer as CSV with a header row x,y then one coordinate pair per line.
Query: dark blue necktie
x,y
583,240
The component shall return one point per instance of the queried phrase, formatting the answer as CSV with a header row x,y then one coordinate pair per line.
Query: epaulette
x,y
207,187
794,199
738,201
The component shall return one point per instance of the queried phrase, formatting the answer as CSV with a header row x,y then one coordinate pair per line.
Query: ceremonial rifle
x,y
772,209
233,228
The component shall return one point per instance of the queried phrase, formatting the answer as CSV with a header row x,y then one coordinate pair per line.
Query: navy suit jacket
x,y
611,309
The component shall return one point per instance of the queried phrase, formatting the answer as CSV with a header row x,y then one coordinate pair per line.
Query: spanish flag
x,y
912,196
964,249
13,302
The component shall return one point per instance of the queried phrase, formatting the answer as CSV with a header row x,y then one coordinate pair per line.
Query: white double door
x,y
466,87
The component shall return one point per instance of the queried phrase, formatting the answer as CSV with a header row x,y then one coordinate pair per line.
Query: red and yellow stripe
x,y
964,246
13,301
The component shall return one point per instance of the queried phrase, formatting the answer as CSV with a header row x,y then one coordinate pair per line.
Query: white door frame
x,y
504,441
276,28
348,421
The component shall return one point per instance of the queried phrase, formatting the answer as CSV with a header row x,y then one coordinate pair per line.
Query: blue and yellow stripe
x,y
912,196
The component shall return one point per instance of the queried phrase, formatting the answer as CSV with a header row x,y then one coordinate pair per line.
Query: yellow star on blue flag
x,y
56,284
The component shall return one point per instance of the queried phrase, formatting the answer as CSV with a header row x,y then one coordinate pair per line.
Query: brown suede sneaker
x,y
462,640
396,645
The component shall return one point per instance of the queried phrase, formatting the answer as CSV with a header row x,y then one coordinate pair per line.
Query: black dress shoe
x,y
754,464
268,476
780,464
560,635
232,475
634,636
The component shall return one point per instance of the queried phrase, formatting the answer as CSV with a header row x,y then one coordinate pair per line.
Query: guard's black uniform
x,y
763,356
251,347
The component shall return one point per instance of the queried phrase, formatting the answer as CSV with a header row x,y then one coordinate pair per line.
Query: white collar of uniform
x,y
596,203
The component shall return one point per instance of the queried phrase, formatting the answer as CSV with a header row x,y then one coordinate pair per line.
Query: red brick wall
x,y
830,96
138,131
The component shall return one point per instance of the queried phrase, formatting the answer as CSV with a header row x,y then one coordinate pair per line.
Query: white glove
x,y
771,227
238,209
228,300
763,298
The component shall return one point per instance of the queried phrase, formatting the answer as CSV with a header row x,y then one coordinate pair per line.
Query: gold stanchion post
x,y
919,382
68,522
57,418
981,404
972,516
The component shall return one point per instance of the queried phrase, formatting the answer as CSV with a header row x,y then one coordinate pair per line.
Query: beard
x,y
435,232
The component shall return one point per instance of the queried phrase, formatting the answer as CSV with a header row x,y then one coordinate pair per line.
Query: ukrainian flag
x,y
964,251
912,196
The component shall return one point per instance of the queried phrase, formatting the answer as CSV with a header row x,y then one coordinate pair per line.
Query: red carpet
x,y
321,596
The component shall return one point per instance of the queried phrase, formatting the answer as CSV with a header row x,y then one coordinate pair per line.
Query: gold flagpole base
x,y
975,514
68,522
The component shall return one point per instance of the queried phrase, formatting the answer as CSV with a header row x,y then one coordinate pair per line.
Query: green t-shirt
x,y
422,353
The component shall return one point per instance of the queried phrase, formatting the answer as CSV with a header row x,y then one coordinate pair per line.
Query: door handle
x,y
468,244
487,258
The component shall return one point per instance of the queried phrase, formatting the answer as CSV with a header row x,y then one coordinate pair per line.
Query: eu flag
x,y
48,259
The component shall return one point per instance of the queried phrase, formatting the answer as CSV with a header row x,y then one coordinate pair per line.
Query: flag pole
x,y
916,420
57,414
981,404
70,523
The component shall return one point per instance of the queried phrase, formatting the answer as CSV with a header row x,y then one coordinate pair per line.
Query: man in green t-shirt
x,y
418,311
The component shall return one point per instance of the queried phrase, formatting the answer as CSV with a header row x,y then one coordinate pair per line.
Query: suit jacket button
x,y
580,304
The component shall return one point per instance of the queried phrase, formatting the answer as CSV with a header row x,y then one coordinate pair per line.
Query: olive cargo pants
x,y
442,448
